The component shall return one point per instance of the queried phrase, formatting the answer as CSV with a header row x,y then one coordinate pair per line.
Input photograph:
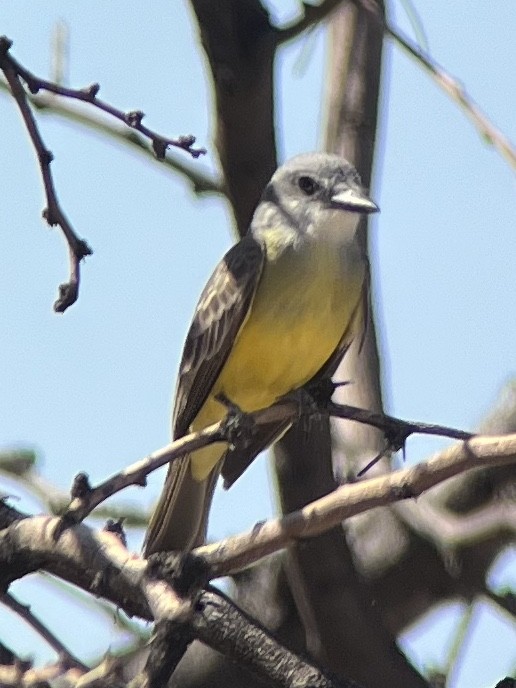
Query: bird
x,y
278,312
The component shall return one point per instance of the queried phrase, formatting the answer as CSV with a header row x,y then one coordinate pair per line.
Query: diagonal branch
x,y
444,80
67,659
236,429
89,94
202,183
237,552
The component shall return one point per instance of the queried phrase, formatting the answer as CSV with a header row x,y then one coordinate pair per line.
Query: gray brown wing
x,y
220,313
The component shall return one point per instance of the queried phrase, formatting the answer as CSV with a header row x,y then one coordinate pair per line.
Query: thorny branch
x,y
236,428
78,249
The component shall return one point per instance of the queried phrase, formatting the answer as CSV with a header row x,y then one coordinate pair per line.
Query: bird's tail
x,y
180,519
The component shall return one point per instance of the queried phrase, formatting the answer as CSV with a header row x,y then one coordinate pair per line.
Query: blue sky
x,y
91,389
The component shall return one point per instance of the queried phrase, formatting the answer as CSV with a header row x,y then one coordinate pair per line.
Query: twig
x,y
201,182
53,213
78,249
234,553
89,94
456,91
450,85
67,659
85,497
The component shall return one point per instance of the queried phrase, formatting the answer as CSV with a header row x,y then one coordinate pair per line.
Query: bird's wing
x,y
222,309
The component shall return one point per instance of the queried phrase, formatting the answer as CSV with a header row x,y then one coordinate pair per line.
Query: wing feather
x,y
222,309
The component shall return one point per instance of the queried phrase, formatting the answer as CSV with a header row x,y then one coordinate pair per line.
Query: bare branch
x,y
457,92
53,213
235,428
89,94
78,249
86,498
99,563
202,183
67,659
236,552
446,82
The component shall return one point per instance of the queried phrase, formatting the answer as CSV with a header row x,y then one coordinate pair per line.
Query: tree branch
x,y
444,80
53,213
132,119
78,249
237,428
236,552
202,183
66,658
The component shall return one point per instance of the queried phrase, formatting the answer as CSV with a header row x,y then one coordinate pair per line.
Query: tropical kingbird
x,y
279,310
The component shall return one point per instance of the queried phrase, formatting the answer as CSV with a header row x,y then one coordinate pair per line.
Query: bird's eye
x,y
308,185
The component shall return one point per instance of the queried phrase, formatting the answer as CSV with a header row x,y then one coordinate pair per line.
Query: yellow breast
x,y
302,308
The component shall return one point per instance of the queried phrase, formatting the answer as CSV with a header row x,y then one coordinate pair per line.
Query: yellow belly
x,y
292,330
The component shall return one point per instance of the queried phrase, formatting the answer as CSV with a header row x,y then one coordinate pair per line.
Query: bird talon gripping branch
x,y
237,426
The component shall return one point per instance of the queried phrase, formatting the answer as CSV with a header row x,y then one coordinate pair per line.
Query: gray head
x,y
310,187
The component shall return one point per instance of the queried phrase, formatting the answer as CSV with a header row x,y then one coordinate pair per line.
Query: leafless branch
x,y
67,659
457,92
99,563
53,213
446,82
201,182
234,429
237,552
132,119
160,589
78,249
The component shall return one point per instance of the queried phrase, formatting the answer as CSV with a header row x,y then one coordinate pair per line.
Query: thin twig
x,y
67,659
48,104
89,94
449,84
78,249
85,497
457,92
135,474
53,213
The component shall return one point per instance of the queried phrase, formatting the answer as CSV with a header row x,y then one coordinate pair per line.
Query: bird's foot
x,y
238,426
